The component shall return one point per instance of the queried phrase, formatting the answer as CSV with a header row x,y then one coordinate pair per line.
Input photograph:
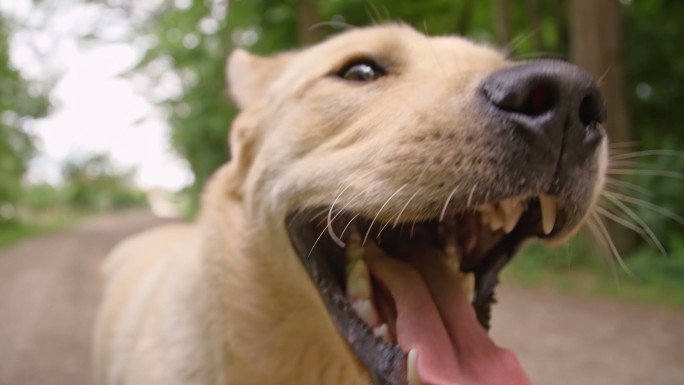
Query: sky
x,y
98,106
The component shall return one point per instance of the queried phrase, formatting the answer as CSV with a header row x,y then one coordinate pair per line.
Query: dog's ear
x,y
249,75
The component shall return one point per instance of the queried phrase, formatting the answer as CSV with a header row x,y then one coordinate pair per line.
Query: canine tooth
x,y
548,213
468,286
358,280
512,217
412,368
364,309
382,331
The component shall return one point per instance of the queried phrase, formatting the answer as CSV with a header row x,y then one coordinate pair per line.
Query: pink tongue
x,y
436,319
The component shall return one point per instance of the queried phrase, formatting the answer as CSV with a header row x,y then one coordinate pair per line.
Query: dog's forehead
x,y
402,45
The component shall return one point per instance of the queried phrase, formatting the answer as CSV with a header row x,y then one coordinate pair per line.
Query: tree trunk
x,y
308,17
502,21
596,41
465,15
597,46
534,13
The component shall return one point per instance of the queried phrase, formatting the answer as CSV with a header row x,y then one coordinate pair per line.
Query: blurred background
x,y
119,106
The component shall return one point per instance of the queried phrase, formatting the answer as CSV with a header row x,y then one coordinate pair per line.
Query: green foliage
x,y
580,267
14,232
197,39
16,148
196,44
91,184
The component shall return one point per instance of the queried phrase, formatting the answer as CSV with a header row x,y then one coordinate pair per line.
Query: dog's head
x,y
406,171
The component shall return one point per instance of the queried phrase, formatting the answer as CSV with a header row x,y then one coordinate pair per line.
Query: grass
x,y
14,232
653,278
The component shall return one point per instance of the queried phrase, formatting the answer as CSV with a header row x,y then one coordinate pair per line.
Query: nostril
x,y
539,101
526,99
590,112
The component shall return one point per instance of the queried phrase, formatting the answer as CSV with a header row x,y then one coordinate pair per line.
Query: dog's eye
x,y
361,71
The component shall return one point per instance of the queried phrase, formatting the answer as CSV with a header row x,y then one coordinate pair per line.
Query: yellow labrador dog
x,y
380,181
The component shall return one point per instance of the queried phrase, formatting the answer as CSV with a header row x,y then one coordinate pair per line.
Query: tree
x,y
94,183
16,147
597,43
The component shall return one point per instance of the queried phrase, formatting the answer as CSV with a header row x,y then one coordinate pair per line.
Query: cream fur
x,y
227,301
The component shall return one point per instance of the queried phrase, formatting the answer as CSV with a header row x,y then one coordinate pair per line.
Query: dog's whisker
x,y
344,230
616,253
647,153
603,76
640,222
620,221
329,226
623,145
334,24
469,202
627,163
518,40
648,205
380,210
413,227
662,173
317,216
627,186
601,239
540,54
404,208
296,215
446,204
316,242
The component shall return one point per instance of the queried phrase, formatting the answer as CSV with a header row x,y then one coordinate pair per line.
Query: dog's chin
x,y
413,298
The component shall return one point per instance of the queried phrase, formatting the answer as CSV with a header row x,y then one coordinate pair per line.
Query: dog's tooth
x,y
485,217
512,217
412,368
382,331
354,252
353,235
548,213
364,309
447,235
509,204
486,208
468,285
496,220
358,280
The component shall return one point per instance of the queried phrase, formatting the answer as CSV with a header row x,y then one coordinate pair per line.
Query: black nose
x,y
555,105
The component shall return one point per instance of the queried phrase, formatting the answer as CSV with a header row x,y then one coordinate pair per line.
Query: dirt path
x,y
49,290
573,340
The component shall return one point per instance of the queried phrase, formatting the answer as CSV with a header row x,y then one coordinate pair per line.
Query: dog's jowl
x,y
380,180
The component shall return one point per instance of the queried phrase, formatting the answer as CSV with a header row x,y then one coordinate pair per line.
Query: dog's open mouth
x,y
413,299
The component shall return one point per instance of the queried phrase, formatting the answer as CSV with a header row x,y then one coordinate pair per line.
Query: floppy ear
x,y
250,75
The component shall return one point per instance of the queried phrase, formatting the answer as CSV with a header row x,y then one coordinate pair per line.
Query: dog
x,y
380,180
